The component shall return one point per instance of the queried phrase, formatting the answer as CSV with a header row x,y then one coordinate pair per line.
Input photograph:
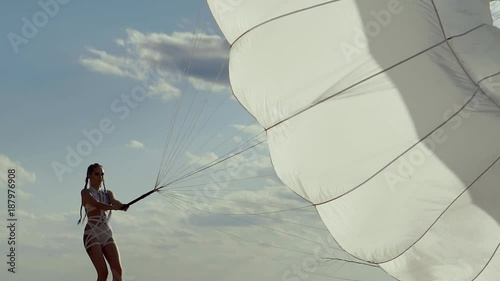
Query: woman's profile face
x,y
96,177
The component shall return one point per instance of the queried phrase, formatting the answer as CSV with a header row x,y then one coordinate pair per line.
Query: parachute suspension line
x,y
187,212
194,196
209,166
166,168
265,227
358,262
319,259
268,228
195,31
173,204
188,123
213,163
174,147
260,244
186,167
262,215
204,168
187,144
229,189
184,187
206,174
195,119
281,232
324,260
164,161
296,251
157,188
165,148
301,208
180,198
178,149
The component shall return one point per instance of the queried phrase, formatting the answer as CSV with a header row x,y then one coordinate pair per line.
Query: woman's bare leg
x,y
96,256
113,257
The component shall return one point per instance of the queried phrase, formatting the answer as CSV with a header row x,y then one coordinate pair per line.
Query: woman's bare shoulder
x,y
85,192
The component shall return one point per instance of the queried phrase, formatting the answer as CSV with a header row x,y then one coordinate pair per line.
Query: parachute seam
x,y
451,203
458,111
282,16
197,215
446,40
370,77
478,90
444,211
488,262
364,80
456,57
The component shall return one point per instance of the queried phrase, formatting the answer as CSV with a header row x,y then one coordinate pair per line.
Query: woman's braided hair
x,y
90,169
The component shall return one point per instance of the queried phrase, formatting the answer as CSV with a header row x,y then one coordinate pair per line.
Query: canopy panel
x,y
384,114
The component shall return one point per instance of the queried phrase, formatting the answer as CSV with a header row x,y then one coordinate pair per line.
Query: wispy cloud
x,y
135,144
21,173
108,64
199,59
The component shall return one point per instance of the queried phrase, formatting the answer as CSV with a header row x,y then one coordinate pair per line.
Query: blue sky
x,y
76,71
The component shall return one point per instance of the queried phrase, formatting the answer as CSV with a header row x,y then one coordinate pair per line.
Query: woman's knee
x,y
117,270
102,274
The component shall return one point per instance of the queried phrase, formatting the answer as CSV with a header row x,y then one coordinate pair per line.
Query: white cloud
x,y
201,160
199,59
108,64
135,144
23,176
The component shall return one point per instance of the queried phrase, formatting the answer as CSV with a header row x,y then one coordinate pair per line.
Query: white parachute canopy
x,y
384,114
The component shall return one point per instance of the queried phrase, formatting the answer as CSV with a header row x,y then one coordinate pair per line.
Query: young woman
x,y
98,236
